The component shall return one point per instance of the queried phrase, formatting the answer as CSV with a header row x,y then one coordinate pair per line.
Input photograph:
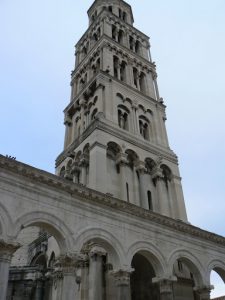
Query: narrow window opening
x,y
127,187
124,16
110,8
150,201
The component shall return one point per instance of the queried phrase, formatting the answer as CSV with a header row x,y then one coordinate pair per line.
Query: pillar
x,y
122,283
84,267
97,169
162,196
83,166
179,204
165,287
82,104
39,289
96,274
67,264
134,118
6,253
68,124
121,161
203,292
142,188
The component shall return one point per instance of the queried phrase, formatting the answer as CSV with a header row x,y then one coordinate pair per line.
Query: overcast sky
x,y
37,40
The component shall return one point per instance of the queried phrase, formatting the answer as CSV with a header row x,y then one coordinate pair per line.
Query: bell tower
x,y
116,140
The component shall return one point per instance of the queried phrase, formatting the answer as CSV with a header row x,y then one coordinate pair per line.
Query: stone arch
x,y
6,224
151,253
150,164
113,149
120,96
166,171
105,239
50,223
191,261
217,266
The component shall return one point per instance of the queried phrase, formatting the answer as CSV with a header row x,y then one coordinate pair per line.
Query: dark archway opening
x,y
142,287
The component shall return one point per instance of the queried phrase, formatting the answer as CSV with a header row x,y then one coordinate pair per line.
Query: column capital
x,y
165,284
7,248
67,263
67,120
122,276
97,251
157,173
204,291
121,159
140,167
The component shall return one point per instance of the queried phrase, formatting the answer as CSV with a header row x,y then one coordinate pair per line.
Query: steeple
x,y
119,8
116,140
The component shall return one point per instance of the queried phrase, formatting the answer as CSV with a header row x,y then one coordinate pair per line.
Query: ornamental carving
x,y
122,277
7,249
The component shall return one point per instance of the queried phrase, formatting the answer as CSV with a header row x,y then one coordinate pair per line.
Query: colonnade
x,y
85,276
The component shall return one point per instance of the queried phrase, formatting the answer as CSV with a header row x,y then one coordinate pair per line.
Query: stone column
x,y
6,252
140,167
165,287
163,205
82,104
67,264
96,273
97,168
84,267
68,124
83,165
204,292
134,118
39,289
122,282
121,161
154,76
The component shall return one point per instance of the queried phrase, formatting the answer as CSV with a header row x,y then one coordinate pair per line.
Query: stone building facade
x,y
111,224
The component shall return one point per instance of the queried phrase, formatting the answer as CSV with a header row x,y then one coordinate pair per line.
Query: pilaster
x,y
122,283
6,252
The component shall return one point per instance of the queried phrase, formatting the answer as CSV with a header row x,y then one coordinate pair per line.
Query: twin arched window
x,y
123,114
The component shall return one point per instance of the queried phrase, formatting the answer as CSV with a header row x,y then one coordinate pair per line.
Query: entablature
x,y
32,176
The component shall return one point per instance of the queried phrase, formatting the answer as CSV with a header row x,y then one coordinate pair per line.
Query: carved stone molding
x,y
97,198
165,284
121,159
67,263
122,277
7,249
204,291
140,167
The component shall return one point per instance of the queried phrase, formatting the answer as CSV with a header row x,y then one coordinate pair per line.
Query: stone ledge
x,y
101,199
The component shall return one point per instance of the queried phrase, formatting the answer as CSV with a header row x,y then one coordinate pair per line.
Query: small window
x,y
124,17
110,8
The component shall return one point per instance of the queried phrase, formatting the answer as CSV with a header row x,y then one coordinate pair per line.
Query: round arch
x,y
104,238
217,266
50,223
191,261
151,253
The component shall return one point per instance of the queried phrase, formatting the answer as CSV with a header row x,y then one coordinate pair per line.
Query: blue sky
x,y
37,39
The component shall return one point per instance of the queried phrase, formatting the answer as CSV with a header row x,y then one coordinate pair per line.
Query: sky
x,y
37,39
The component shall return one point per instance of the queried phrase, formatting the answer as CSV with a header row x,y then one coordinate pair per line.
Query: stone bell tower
x,y
116,140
